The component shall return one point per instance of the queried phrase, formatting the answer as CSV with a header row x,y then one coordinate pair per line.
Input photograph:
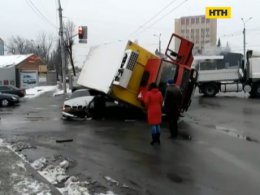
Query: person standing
x,y
172,106
153,101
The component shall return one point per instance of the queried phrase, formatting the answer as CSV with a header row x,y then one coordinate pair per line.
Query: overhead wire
x,y
153,17
159,19
39,13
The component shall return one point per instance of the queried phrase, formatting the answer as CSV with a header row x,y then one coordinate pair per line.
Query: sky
x,y
114,20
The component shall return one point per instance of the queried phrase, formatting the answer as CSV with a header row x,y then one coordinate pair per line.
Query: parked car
x,y
8,99
13,90
77,105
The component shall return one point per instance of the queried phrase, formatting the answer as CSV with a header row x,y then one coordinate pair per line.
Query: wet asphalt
x,y
222,156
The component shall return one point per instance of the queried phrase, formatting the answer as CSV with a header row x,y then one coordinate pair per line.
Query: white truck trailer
x,y
217,74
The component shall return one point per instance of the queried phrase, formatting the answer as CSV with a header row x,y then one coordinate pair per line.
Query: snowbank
x,y
37,91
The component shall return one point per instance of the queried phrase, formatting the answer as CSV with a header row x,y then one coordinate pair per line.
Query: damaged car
x,y
77,104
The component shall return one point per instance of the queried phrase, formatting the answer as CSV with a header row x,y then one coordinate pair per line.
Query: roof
x,y
12,60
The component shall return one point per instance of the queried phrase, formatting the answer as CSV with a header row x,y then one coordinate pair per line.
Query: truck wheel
x,y
210,90
256,90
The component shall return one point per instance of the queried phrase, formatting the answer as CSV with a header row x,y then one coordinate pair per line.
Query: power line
x,y
159,19
153,17
39,13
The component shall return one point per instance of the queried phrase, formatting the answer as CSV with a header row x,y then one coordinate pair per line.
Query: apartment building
x,y
201,31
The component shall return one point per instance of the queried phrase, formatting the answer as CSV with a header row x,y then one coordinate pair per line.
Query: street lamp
x,y
159,37
244,36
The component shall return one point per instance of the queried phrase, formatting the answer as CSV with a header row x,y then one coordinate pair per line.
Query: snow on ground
x,y
53,174
22,183
36,91
61,92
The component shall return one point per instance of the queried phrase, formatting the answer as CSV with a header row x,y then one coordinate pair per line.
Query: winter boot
x,y
158,138
153,139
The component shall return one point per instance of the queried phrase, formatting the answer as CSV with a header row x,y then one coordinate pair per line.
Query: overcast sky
x,y
112,20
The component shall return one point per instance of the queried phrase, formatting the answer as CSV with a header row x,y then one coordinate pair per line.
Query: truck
x,y
123,71
223,73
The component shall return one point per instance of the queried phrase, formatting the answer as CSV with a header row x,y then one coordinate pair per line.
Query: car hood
x,y
79,101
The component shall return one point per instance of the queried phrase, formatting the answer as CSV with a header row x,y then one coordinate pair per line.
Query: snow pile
x,y
39,164
37,91
75,187
28,185
61,92
19,146
55,174
113,181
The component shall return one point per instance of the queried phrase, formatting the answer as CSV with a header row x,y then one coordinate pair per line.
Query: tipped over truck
x,y
123,71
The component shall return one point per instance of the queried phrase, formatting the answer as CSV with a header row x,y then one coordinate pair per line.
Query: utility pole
x,y
159,37
63,60
244,37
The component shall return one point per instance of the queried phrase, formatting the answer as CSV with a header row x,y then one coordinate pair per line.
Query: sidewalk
x,y
18,178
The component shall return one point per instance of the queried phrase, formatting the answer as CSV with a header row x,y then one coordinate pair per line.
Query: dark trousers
x,y
173,124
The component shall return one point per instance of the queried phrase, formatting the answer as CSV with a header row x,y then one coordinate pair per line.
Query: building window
x,y
187,21
182,21
207,32
207,21
187,31
182,32
197,20
6,82
203,19
192,20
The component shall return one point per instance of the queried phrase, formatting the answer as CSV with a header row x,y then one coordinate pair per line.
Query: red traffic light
x,y
80,32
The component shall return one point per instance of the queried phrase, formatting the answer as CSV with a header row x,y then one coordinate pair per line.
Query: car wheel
x,y
5,103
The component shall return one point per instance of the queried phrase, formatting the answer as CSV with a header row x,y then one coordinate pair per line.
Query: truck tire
x,y
210,90
256,91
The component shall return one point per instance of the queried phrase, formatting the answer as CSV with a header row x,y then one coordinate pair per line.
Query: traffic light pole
x,y
63,57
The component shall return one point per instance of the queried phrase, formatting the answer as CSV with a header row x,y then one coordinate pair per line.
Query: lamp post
x,y
159,37
244,36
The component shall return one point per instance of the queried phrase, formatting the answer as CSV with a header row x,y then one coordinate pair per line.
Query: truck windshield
x,y
167,72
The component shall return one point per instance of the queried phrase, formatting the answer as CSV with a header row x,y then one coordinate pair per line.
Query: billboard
x,y
28,79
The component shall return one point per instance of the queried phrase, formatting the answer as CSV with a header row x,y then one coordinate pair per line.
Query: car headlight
x,y
14,98
66,108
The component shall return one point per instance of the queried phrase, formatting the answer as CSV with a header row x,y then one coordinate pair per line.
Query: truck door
x,y
179,50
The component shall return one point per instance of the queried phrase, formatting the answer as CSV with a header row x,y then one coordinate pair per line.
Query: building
x,y
21,70
201,31
2,45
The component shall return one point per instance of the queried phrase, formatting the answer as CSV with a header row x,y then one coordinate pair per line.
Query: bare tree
x,y
42,46
69,33
17,45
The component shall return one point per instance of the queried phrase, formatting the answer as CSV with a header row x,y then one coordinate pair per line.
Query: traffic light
x,y
83,34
